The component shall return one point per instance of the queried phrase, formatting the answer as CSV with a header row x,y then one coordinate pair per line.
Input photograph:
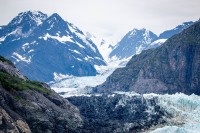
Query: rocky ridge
x,y
29,106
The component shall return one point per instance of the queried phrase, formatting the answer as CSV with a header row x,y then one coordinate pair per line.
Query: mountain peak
x,y
22,25
136,31
56,17
54,24
35,17
133,43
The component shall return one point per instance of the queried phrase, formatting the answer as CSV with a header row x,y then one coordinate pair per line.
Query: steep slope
x,y
29,106
133,43
54,47
169,33
172,67
104,46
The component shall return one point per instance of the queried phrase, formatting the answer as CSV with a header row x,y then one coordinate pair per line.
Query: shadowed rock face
x,y
170,68
29,106
8,124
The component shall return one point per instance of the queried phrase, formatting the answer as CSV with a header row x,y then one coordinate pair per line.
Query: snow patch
x,y
51,26
2,38
30,51
60,76
146,36
19,58
75,51
79,59
24,46
139,49
158,42
62,39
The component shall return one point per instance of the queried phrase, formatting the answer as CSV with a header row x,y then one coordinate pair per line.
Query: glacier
x,y
184,110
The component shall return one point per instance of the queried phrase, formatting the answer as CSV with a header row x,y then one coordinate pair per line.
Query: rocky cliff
x,y
28,106
170,68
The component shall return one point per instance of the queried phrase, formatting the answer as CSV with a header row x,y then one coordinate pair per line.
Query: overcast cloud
x,y
110,18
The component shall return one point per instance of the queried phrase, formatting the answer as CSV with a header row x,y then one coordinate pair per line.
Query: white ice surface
x,y
73,86
60,39
159,42
186,128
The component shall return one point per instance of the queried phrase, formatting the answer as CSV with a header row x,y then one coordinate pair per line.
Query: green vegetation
x,y
10,82
5,60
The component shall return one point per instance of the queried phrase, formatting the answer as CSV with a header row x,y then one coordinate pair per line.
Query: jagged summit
x,y
22,25
30,16
133,43
54,24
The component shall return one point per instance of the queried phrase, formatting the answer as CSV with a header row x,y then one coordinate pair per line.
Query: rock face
x,y
29,106
8,124
172,67
49,48
118,113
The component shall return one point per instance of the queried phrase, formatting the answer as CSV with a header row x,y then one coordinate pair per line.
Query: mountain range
x,y
32,107
137,40
170,68
43,47
47,48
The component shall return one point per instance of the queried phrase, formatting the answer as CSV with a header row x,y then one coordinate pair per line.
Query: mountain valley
x,y
145,83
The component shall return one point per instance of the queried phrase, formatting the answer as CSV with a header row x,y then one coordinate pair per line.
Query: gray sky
x,y
110,19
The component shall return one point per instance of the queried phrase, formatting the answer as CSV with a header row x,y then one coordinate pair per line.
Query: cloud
x,y
110,18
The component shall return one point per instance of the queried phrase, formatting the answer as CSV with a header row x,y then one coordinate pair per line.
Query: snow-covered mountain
x,y
169,33
48,47
105,46
133,43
